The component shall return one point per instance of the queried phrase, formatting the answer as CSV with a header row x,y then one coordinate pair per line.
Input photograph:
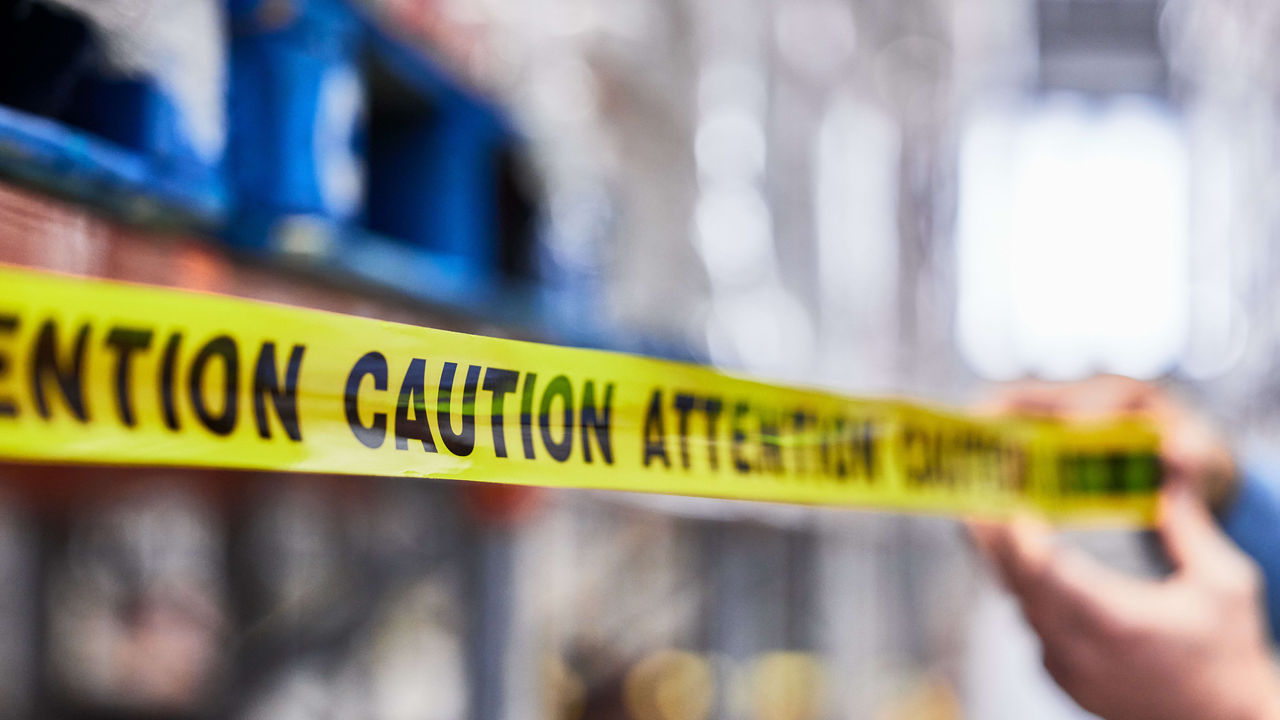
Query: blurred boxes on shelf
x,y
117,103
307,131
352,150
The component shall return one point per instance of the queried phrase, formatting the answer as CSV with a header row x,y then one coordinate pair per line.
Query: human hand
x,y
1191,646
1192,453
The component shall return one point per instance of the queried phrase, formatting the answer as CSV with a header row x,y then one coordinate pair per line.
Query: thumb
x,y
1191,536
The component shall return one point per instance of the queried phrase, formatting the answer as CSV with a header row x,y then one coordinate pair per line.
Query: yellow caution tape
x,y
109,373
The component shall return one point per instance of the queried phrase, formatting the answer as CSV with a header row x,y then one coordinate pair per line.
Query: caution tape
x,y
108,373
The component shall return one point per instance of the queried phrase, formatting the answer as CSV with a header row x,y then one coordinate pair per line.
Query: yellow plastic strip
x,y
110,373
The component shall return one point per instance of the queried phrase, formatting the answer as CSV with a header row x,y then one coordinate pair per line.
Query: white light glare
x,y
1073,241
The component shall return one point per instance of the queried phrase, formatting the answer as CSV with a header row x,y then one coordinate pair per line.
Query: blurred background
x,y
872,196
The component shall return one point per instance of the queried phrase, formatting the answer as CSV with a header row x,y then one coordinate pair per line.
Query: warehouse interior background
x,y
878,197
